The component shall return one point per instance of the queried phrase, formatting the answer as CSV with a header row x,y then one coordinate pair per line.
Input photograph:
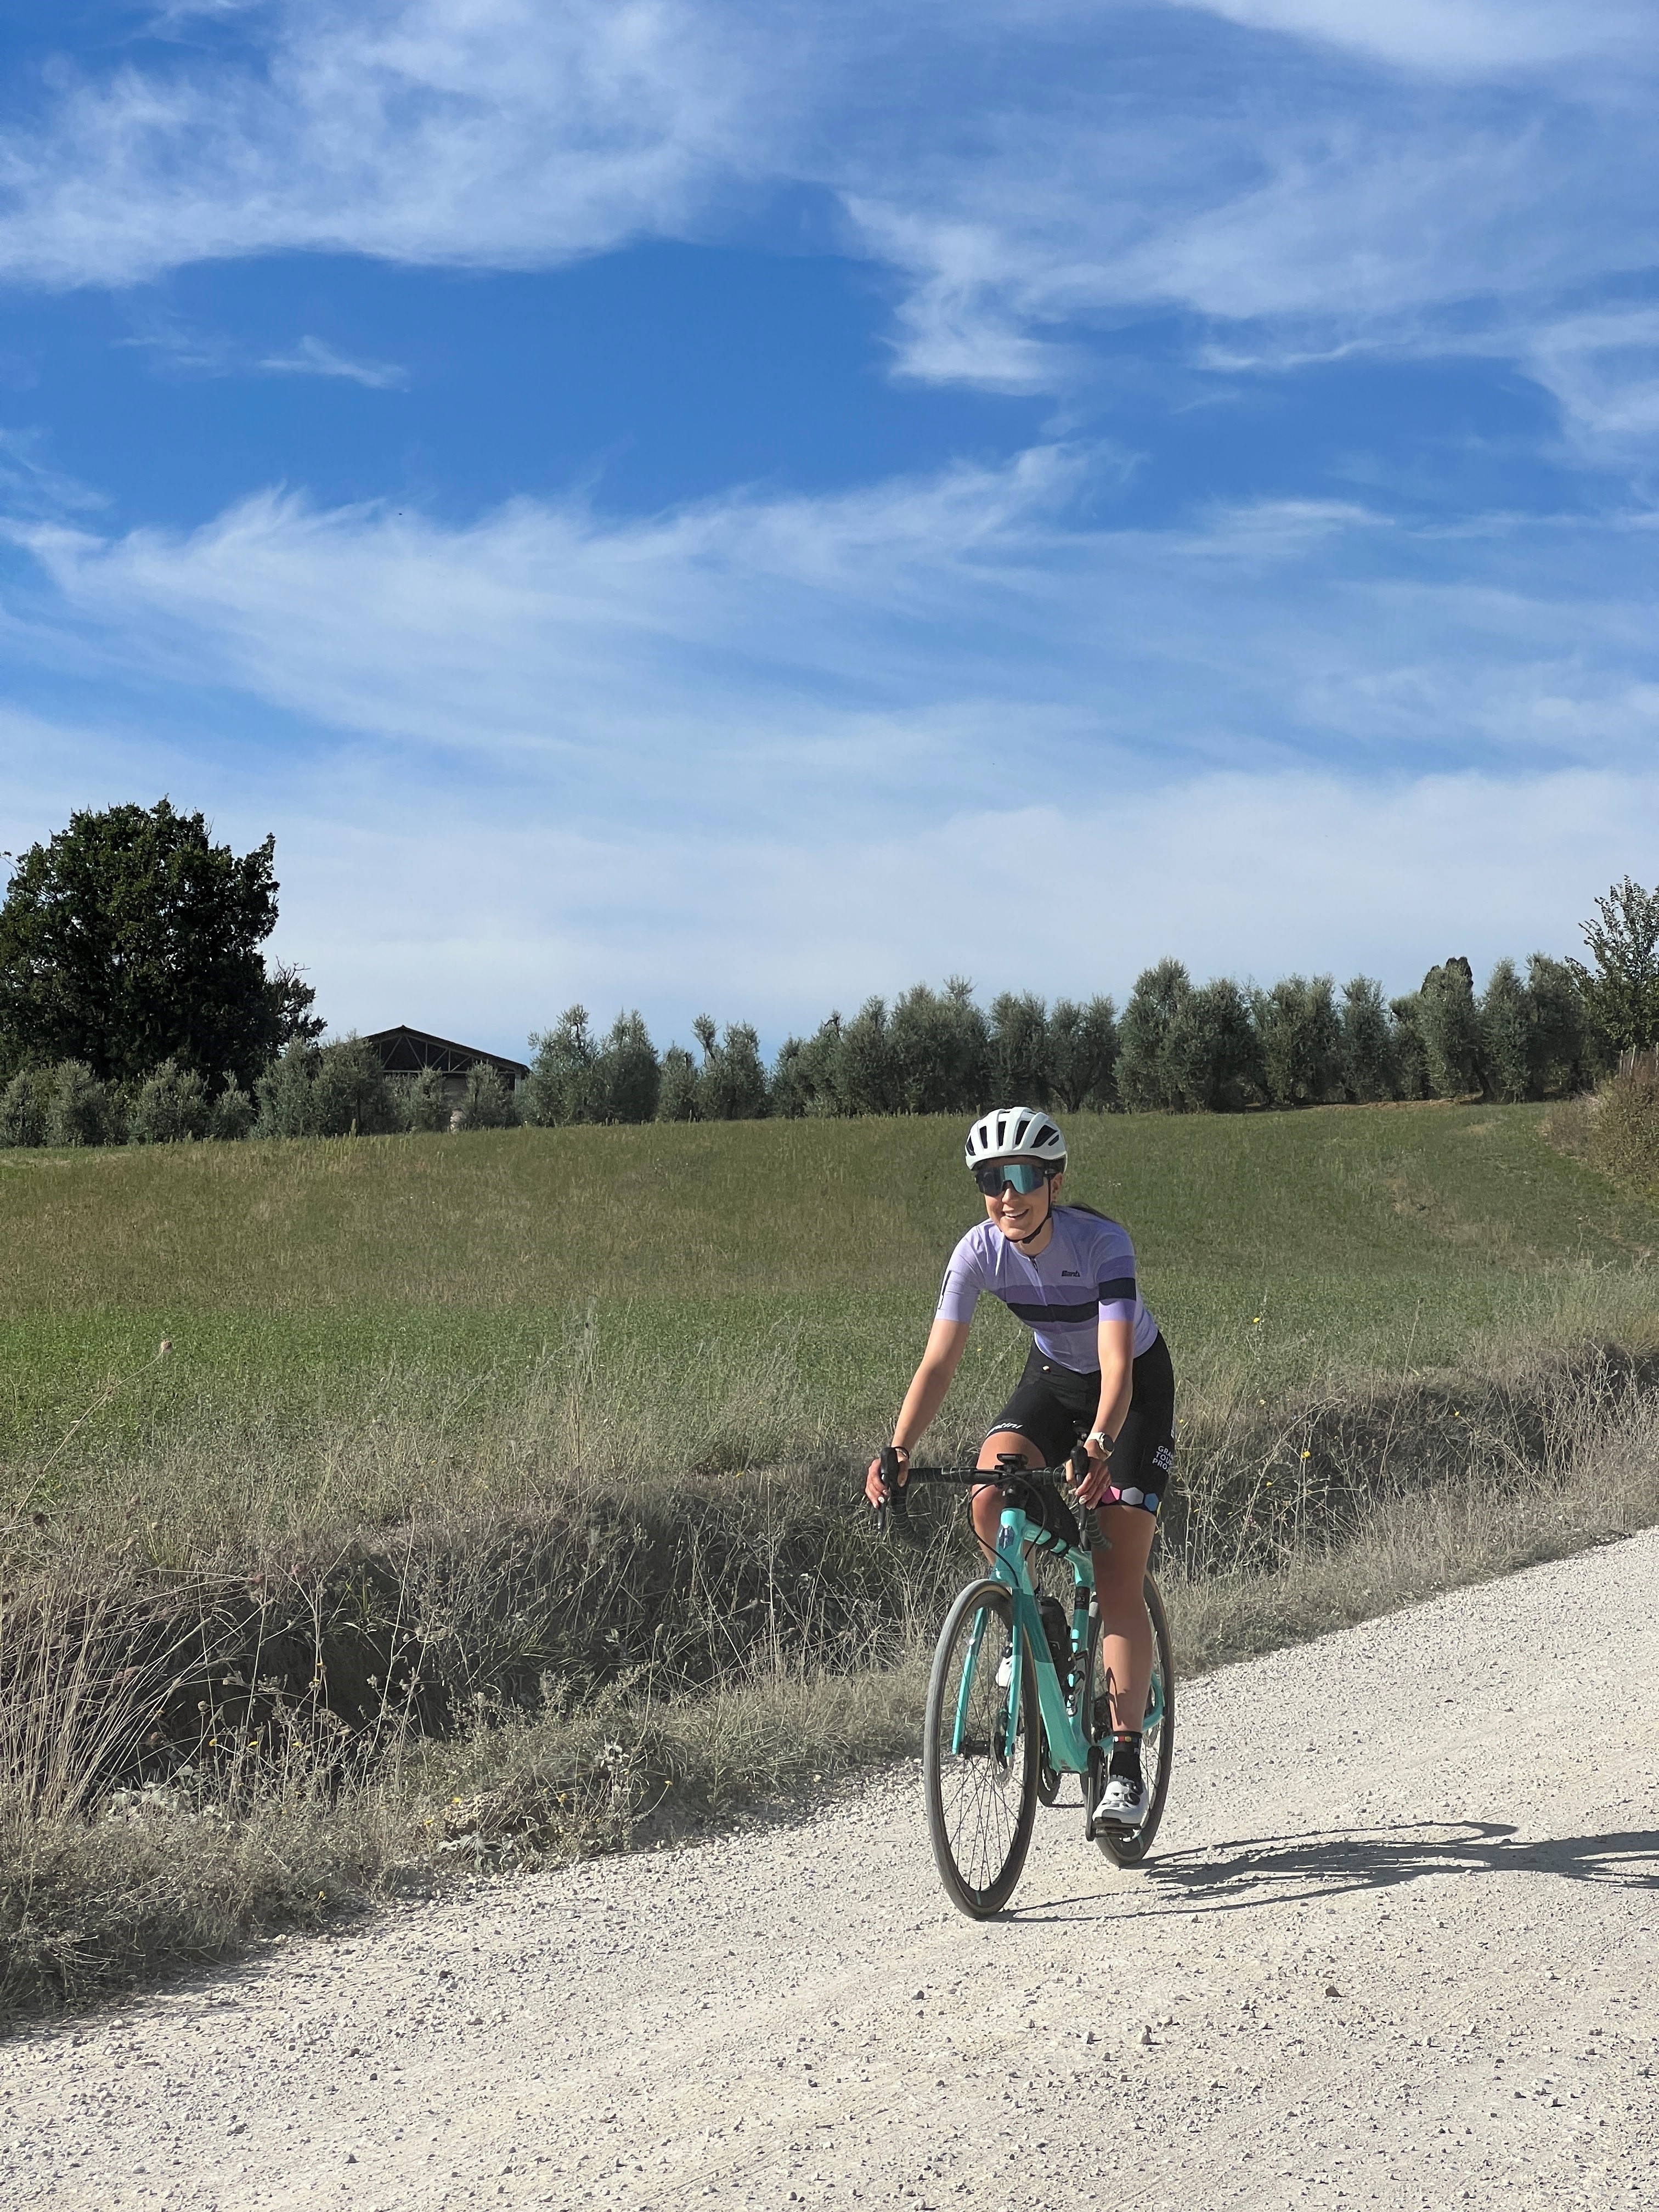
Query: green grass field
x,y
356,1325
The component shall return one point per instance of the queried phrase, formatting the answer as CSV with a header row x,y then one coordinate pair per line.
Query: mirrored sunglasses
x,y
1025,1176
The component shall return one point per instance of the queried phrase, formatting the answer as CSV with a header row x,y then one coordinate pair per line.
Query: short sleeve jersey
x,y
1084,1275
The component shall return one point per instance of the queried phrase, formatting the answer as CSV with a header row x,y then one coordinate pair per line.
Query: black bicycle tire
x,y
1128,1846
979,1903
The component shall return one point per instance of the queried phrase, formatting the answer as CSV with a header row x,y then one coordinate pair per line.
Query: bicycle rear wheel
x,y
981,1789
1126,1845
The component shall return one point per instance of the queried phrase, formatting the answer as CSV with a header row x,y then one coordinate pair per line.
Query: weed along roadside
x,y
301,1616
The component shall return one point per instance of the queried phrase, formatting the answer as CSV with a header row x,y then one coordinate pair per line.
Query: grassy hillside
x,y
356,1324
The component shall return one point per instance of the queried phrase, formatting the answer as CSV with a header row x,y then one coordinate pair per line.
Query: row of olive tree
x,y
1178,1047
336,1090
1216,1048
343,1090
66,1104
933,1053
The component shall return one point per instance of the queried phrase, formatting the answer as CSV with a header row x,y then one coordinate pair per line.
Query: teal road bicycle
x,y
1008,1716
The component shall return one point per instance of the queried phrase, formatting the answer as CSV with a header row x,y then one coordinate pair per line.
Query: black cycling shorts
x,y
1054,1407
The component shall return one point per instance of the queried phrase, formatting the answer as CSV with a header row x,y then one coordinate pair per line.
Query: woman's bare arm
x,y
926,1394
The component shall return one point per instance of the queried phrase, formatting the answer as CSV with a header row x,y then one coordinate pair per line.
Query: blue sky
x,y
740,506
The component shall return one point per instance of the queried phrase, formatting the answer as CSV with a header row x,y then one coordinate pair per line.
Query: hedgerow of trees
x,y
1177,1048
135,1006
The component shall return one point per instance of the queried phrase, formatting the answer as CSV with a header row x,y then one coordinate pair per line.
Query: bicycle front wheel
x,y
1126,1845
979,1751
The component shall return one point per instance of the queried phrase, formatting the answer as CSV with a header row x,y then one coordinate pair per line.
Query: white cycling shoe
x,y
1122,1801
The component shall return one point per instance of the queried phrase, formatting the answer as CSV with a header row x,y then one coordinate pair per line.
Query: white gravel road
x,y
1399,1947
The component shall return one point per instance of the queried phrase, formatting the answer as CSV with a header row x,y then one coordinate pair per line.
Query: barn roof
x,y
404,1051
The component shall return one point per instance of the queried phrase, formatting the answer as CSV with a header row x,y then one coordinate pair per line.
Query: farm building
x,y
404,1051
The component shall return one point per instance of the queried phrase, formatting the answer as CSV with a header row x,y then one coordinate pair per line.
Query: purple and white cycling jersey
x,y
1084,1275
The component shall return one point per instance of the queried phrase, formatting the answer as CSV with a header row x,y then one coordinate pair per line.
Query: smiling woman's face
x,y
1021,1213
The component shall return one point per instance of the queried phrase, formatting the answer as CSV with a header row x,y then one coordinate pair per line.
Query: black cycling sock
x,y
1125,1753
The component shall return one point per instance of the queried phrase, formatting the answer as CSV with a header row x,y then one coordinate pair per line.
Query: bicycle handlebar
x,y
1007,1474
889,1471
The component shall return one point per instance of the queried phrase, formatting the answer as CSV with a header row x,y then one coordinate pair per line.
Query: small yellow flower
x,y
1307,1454
1256,1323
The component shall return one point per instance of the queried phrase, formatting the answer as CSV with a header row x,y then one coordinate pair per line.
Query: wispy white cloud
x,y
197,352
500,132
692,685
1458,35
1068,166
1293,216
977,600
1603,367
31,483
316,357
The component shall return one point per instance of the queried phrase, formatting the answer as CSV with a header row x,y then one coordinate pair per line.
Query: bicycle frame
x,y
1066,1729
1067,1732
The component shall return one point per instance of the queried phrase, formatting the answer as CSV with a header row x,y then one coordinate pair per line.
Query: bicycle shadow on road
x,y
1268,1870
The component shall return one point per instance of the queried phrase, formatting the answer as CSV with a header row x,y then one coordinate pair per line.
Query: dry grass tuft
x,y
1624,1133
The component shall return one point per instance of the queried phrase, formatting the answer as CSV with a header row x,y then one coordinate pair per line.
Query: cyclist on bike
x,y
1098,1373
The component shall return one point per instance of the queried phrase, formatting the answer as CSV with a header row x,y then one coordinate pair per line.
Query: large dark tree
x,y
130,938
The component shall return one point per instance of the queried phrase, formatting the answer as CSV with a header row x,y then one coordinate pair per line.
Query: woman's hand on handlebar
x,y
874,1488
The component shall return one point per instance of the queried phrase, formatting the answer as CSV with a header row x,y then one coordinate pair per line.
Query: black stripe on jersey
x,y
1035,1316
1120,1287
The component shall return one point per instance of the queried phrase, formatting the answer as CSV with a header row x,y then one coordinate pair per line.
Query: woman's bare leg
x,y
1125,1629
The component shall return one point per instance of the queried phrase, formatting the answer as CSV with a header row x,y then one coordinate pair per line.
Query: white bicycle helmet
x,y
1015,1132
